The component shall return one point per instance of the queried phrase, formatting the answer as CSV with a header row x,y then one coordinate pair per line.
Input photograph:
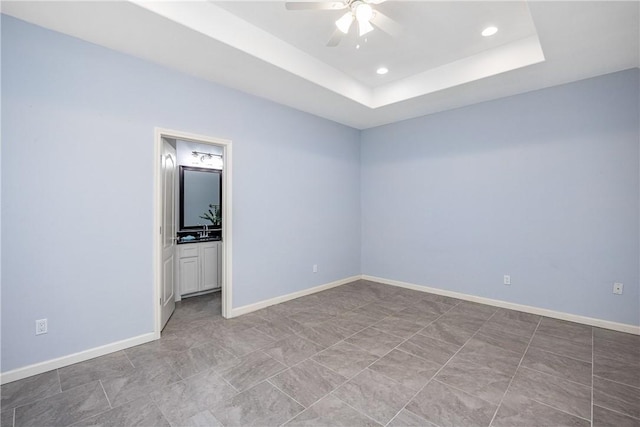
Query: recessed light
x,y
489,31
382,70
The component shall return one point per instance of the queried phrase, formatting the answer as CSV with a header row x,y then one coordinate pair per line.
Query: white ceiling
x,y
438,62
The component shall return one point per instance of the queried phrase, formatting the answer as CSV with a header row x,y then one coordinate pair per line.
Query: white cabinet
x,y
199,267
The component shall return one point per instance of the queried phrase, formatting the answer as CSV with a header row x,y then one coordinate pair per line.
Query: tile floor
x,y
360,354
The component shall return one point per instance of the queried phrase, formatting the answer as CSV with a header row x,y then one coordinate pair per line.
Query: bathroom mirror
x,y
200,201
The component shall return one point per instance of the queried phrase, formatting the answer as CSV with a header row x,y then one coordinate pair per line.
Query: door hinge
x,y
160,229
160,302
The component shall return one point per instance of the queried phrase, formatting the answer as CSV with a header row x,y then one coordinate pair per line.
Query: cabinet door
x,y
189,275
209,257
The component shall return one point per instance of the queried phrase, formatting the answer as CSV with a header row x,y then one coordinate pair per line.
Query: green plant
x,y
213,215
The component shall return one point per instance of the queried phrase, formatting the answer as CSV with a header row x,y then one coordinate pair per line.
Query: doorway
x,y
161,247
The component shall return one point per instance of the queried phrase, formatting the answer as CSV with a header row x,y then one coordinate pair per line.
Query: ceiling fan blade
x,y
386,24
318,5
335,38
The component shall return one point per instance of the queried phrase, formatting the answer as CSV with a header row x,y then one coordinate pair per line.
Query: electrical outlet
x,y
507,279
617,288
41,326
315,268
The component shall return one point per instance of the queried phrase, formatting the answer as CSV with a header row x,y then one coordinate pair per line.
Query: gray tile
x,y
622,350
567,330
377,310
64,408
408,419
6,418
91,370
202,419
331,412
278,328
445,332
517,316
244,322
617,337
184,399
307,382
200,359
310,318
29,389
480,381
375,395
519,411
512,326
448,407
411,371
561,394
616,370
562,346
515,343
615,396
564,367
429,348
262,405
292,350
440,299
150,352
461,320
417,316
140,412
374,341
351,322
324,335
432,307
397,326
605,418
143,379
345,359
484,354
243,341
251,370
480,311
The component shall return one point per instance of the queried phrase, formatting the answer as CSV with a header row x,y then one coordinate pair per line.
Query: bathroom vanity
x,y
199,267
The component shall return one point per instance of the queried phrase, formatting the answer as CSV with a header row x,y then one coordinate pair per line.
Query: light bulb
x,y
344,23
364,12
364,27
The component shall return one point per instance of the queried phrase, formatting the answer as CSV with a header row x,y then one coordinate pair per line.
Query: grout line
x,y
105,394
618,412
515,373
617,382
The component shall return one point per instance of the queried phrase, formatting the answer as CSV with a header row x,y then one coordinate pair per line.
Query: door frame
x,y
227,198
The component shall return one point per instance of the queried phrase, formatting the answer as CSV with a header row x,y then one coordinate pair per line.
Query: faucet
x,y
206,230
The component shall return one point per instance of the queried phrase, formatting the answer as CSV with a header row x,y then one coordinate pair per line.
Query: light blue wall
x,y
543,186
77,187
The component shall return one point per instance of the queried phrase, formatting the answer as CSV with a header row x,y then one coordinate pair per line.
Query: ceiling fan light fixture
x,y
364,27
344,23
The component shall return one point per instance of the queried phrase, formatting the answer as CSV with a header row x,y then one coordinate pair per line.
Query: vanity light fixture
x,y
206,157
489,31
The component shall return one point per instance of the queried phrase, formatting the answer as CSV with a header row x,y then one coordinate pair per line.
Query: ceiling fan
x,y
361,11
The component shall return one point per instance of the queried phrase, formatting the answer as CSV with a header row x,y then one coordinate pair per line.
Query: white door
x,y
168,231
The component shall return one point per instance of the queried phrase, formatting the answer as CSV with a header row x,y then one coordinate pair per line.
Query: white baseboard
x,y
60,362
277,300
606,324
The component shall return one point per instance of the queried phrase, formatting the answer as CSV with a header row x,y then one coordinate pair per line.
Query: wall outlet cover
x,y
41,326
617,288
